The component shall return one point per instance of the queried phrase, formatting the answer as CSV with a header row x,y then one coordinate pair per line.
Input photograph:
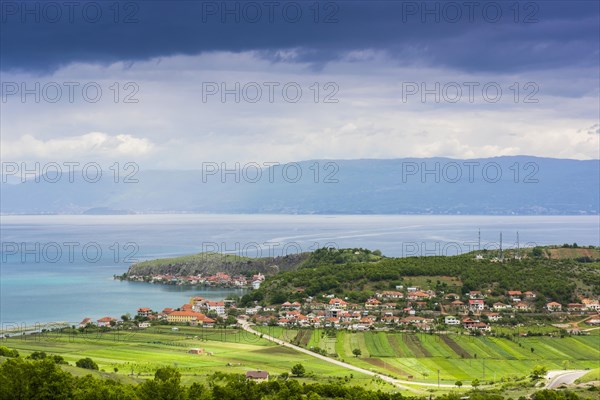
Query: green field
x,y
139,354
592,376
418,357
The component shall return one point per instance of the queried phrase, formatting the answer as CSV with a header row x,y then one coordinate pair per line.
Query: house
x,y
372,303
144,325
574,307
498,306
451,320
530,295
459,305
591,305
257,376
217,306
553,306
494,317
106,321
85,322
144,312
471,324
389,294
198,351
476,305
337,303
476,295
522,306
420,295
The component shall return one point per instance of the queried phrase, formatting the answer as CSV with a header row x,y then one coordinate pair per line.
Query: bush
x,y
6,352
87,363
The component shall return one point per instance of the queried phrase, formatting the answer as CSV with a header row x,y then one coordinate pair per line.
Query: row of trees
x,y
43,379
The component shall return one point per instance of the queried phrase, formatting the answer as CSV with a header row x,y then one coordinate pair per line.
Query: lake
x,y
60,267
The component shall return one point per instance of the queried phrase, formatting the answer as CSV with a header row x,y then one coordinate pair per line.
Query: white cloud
x,y
90,145
172,124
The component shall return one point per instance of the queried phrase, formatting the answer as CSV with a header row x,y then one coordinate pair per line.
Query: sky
x,y
173,84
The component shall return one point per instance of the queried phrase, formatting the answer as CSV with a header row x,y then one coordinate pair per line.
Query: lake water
x,y
60,268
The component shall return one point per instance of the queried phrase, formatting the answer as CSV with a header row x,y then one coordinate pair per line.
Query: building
x,y
188,317
498,306
106,321
451,320
476,305
217,306
257,376
85,322
337,303
144,312
553,306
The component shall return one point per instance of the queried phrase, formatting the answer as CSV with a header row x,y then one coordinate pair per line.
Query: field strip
x,y
397,382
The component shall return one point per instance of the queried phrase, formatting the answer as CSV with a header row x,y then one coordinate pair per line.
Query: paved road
x,y
397,382
557,378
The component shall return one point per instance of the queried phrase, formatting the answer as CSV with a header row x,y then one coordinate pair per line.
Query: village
x,y
410,308
219,279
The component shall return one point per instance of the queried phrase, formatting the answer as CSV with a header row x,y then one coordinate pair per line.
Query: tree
x,y
87,363
6,352
356,352
475,383
298,370
458,384
538,372
166,385
37,355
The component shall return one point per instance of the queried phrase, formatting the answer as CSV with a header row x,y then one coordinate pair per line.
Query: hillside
x,y
211,263
358,273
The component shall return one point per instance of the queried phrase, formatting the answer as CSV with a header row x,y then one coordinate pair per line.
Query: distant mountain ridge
x,y
516,185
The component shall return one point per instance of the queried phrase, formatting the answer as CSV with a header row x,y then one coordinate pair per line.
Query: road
x,y
557,378
401,384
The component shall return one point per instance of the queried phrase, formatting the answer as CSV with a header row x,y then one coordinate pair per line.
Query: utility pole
x,y
518,246
479,240
501,257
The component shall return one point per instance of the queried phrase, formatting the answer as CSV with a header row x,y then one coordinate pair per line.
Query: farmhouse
x,y
451,320
257,376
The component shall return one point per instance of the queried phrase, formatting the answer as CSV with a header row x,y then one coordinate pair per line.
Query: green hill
x,y
357,274
211,263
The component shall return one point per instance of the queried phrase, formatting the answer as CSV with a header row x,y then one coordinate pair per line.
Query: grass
x,y
457,357
592,376
138,355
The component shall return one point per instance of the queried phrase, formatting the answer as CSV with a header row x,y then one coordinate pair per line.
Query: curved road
x,y
397,382
557,378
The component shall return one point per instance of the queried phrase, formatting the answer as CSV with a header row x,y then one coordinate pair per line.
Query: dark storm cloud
x,y
36,36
